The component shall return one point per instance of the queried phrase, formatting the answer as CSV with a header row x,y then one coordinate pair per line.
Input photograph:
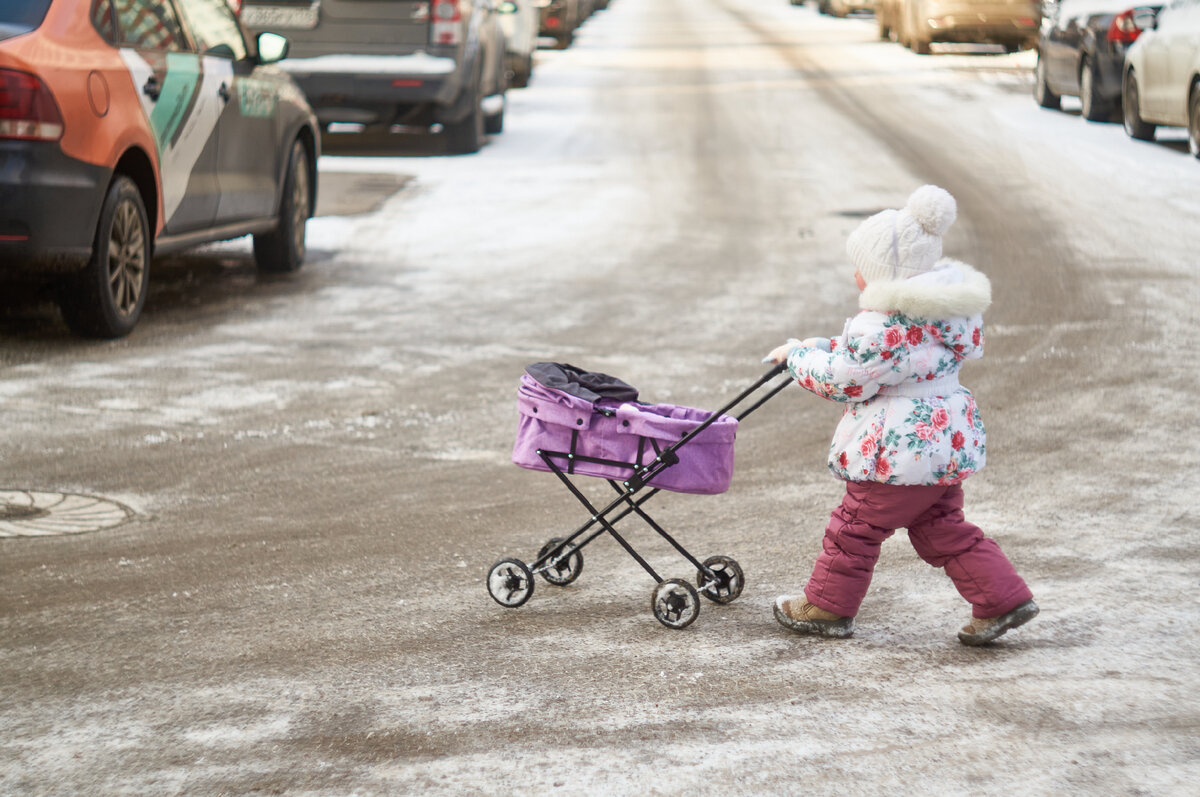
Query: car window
x,y
214,28
149,25
18,18
102,19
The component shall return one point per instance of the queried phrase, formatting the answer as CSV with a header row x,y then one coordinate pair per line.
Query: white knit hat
x,y
898,244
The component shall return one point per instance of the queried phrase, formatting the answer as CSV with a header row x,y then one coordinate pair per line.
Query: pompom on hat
x,y
898,244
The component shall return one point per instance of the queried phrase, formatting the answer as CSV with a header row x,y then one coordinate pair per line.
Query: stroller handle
x,y
775,371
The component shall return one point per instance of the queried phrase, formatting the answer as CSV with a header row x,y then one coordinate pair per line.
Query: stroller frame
x,y
674,602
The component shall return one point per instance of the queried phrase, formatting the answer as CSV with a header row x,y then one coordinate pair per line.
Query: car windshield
x,y
21,16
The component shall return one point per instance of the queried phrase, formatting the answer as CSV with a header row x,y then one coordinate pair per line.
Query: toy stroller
x,y
574,422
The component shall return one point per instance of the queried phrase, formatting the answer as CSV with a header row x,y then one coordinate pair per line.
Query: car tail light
x,y
27,109
1123,30
446,27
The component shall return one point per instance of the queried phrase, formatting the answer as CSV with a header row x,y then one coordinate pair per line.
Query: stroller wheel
x,y
565,567
729,579
510,583
675,603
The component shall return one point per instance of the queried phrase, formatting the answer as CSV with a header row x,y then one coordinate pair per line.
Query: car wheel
x,y
1094,108
105,300
494,123
522,74
466,135
921,46
1194,121
283,249
1041,89
1135,127
885,32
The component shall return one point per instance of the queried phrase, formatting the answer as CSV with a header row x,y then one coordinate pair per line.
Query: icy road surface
x,y
317,467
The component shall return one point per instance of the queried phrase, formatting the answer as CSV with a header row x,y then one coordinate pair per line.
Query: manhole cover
x,y
29,513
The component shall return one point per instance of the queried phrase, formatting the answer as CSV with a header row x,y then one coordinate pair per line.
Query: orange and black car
x,y
135,127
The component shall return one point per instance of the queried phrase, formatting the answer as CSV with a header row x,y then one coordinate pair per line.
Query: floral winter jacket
x,y
895,366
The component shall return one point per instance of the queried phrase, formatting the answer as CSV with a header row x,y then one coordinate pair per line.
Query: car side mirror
x,y
271,48
1145,18
507,7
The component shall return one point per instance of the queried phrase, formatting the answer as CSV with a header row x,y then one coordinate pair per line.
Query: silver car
x,y
1162,73
407,63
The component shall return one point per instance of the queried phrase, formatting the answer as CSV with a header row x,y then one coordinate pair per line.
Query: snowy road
x,y
317,468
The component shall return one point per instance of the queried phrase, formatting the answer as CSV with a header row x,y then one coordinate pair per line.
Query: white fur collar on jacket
x,y
951,290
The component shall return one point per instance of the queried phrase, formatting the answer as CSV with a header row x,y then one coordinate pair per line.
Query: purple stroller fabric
x,y
550,418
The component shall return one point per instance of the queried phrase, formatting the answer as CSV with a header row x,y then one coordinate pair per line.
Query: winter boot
x,y
982,630
802,617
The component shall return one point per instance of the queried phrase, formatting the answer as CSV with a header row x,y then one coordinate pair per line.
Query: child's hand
x,y
780,353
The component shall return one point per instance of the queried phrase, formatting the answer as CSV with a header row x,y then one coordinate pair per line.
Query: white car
x,y
1162,73
519,20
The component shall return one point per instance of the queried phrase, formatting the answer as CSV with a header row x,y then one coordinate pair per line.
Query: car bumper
x,y
368,89
999,31
49,205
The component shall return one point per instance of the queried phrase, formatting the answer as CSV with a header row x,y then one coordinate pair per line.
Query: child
x,y
910,433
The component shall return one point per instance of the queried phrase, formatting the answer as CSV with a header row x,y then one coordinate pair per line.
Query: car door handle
x,y
152,88
224,92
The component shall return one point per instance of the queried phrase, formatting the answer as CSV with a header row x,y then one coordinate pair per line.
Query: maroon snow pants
x,y
871,512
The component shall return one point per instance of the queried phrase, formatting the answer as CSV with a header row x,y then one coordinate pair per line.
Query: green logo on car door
x,y
256,98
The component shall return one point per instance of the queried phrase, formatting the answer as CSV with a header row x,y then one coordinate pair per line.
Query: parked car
x,y
1162,73
1011,23
1081,53
559,19
383,64
840,8
130,128
519,21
